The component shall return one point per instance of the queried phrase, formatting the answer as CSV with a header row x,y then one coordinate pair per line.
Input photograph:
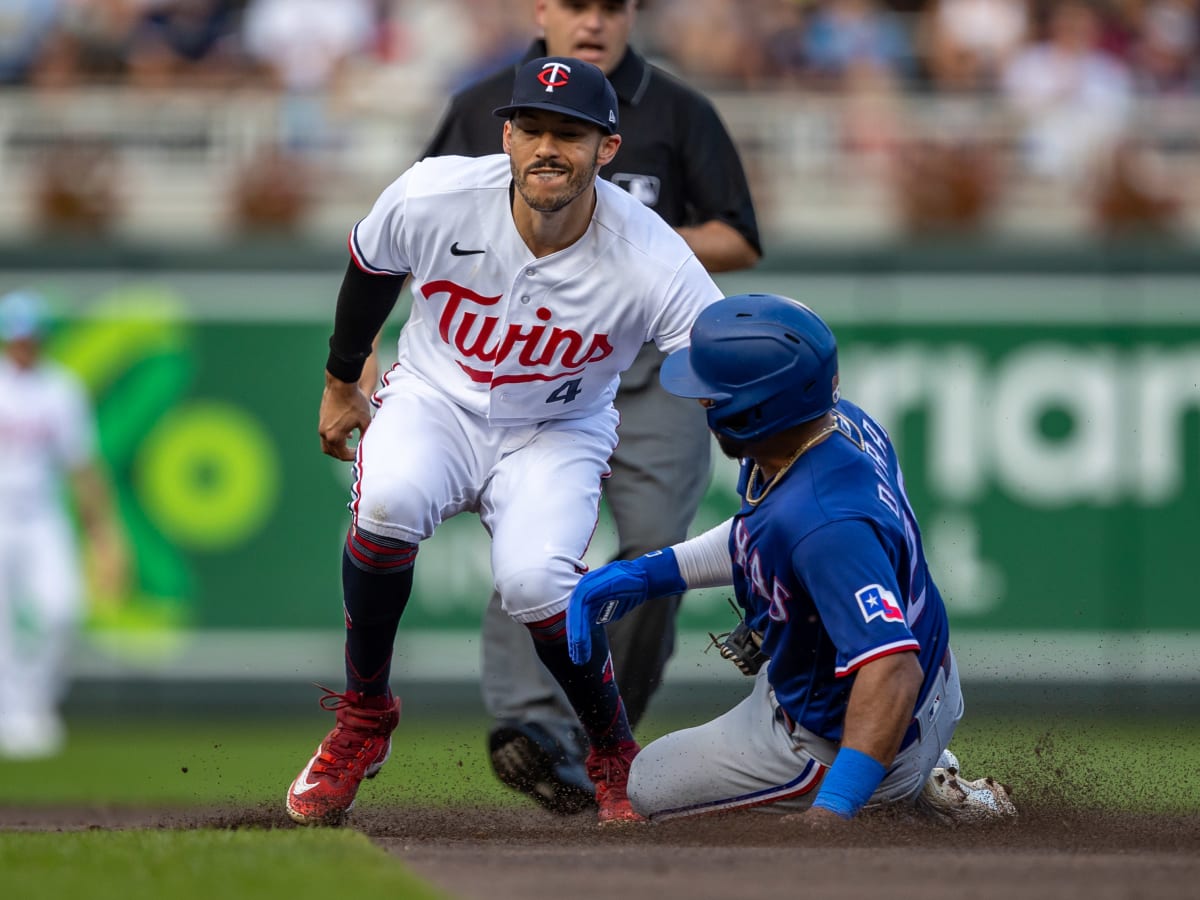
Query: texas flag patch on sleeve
x,y
877,602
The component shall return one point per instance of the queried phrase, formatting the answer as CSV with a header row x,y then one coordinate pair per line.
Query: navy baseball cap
x,y
564,85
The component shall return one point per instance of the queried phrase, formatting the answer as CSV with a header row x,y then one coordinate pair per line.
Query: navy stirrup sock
x,y
377,577
591,688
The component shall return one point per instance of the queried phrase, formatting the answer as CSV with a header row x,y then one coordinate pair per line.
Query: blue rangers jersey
x,y
829,568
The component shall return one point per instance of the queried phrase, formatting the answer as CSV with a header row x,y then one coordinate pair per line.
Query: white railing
x,y
822,169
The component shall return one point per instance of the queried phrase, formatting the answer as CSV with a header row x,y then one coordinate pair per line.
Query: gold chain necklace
x,y
756,470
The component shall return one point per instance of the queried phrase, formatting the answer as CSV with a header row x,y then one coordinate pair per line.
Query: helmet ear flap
x,y
771,360
736,424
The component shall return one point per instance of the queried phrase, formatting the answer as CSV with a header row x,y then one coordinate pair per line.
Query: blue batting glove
x,y
611,591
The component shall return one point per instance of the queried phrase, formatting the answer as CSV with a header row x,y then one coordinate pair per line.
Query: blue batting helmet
x,y
766,362
22,315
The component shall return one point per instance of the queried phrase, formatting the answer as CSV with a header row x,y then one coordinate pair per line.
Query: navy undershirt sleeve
x,y
363,305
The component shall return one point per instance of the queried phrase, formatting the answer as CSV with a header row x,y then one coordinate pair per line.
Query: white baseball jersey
x,y
508,336
46,430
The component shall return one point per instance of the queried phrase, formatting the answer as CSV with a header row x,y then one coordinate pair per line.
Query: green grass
x,y
1147,765
1144,764
243,762
201,865
200,763
1137,765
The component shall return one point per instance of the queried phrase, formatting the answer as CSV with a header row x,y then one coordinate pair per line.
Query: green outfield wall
x,y
1047,416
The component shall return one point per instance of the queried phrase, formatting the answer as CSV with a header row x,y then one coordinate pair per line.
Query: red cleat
x,y
609,771
324,791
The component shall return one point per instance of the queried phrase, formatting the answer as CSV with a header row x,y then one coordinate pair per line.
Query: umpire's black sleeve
x,y
363,304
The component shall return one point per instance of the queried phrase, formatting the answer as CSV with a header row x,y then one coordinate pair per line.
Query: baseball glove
x,y
742,646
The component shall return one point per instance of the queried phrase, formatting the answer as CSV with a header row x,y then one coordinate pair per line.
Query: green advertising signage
x,y
1049,427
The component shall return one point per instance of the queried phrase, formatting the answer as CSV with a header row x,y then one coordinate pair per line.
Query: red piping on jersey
x,y
906,647
583,569
376,401
356,488
515,379
362,264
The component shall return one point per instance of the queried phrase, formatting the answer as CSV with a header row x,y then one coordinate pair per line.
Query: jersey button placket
x,y
499,398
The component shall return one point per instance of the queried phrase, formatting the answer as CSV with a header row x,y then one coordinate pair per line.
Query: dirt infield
x,y
525,853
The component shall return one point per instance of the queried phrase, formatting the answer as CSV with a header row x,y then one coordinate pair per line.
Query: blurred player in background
x,y
535,284
677,158
47,458
856,692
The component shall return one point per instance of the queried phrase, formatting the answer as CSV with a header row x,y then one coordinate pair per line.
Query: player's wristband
x,y
662,573
850,782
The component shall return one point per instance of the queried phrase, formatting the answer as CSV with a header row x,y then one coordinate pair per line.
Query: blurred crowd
x,y
1070,73
1032,50
301,45
1029,49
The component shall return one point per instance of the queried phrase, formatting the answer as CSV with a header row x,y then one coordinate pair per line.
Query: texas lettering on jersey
x,y
547,352
750,562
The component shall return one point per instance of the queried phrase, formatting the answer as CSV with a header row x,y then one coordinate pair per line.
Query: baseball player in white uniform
x,y
535,285
47,453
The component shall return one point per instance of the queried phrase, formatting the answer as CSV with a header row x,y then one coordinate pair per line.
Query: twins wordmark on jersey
x,y
516,338
545,352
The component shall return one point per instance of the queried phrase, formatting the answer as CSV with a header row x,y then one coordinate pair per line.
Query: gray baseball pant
x,y
755,756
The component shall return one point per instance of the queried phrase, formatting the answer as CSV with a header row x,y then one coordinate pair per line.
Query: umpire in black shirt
x,y
676,157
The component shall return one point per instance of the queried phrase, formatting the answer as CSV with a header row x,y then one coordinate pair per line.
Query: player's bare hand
x,y
110,561
344,409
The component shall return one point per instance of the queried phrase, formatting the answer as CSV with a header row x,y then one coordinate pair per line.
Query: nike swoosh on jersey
x,y
303,785
455,250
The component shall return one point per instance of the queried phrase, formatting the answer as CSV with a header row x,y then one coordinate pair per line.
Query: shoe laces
x,y
611,767
350,738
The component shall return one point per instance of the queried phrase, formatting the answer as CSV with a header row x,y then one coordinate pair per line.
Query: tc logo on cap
x,y
554,74
577,89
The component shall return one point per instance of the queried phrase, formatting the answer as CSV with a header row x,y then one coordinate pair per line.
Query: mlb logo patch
x,y
877,602
645,187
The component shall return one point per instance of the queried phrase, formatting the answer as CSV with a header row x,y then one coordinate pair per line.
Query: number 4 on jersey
x,y
566,392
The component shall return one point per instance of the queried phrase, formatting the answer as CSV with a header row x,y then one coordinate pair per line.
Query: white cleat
x,y
948,760
953,800
30,736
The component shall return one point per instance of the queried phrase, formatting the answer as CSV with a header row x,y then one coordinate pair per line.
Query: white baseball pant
x,y
41,602
535,487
